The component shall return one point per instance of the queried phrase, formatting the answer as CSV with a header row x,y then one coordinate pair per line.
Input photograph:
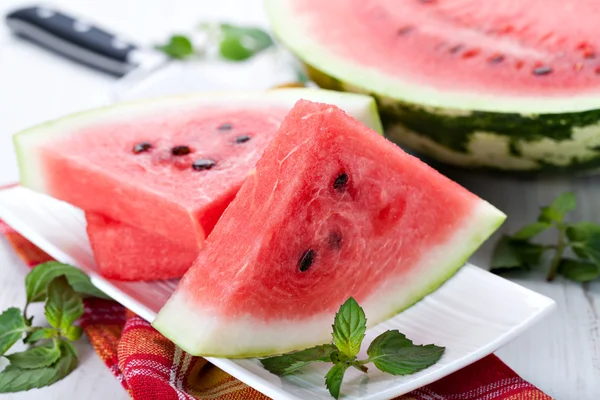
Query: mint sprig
x,y
51,355
576,251
231,42
390,352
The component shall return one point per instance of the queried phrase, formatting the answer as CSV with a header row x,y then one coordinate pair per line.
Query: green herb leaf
x,y
578,271
556,211
349,328
36,357
579,234
15,379
39,334
38,279
240,43
514,254
531,230
73,333
393,353
12,326
334,378
178,47
288,363
63,305
591,247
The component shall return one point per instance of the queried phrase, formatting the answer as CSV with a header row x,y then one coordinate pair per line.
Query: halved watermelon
x,y
502,85
167,166
333,210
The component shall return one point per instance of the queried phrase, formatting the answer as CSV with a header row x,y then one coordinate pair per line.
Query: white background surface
x,y
561,355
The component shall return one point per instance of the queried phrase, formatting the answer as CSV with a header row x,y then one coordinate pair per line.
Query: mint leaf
x,y
40,276
240,43
15,379
591,247
556,211
349,328
178,47
334,378
515,254
393,353
63,305
12,326
39,334
36,357
579,233
73,333
531,230
578,271
288,363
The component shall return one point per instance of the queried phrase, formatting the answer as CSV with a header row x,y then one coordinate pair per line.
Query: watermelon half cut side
x,y
169,166
468,83
333,210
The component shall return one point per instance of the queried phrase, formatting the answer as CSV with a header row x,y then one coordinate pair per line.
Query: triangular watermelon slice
x,y
332,210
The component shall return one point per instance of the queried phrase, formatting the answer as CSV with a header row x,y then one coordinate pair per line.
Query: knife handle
x,y
74,39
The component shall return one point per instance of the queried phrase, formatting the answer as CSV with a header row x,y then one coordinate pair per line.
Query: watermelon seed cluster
x,y
306,260
225,127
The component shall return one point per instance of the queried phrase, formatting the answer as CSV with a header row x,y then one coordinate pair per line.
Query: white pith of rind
x,y
361,107
295,32
200,331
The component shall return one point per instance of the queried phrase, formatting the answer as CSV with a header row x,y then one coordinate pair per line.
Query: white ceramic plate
x,y
472,315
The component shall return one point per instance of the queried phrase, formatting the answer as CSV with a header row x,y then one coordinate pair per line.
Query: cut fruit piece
x,y
463,82
126,253
333,210
169,166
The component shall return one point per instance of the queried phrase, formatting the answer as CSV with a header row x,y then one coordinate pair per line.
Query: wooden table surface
x,y
561,355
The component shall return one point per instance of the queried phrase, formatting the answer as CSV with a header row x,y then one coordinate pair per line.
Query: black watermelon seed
x,y
335,240
539,71
142,147
306,260
496,59
203,164
180,150
405,30
341,182
456,48
225,127
242,139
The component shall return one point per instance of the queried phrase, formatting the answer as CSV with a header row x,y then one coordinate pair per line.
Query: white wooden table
x,y
561,355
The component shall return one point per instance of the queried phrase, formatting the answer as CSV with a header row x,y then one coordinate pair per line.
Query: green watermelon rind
x,y
484,221
26,142
473,131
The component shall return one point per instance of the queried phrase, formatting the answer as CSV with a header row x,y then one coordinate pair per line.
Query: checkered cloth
x,y
149,366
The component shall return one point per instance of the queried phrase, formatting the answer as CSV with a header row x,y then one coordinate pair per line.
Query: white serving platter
x,y
472,315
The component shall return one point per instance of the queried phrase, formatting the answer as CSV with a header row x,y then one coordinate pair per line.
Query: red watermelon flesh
x,y
126,253
162,178
465,46
333,210
169,165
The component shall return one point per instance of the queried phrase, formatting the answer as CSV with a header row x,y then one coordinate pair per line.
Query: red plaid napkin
x,y
151,367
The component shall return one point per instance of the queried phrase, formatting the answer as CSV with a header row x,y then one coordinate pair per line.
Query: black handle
x,y
74,39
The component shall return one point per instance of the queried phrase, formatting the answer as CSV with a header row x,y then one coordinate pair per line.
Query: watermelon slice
x,y
333,210
123,252
168,167
470,83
